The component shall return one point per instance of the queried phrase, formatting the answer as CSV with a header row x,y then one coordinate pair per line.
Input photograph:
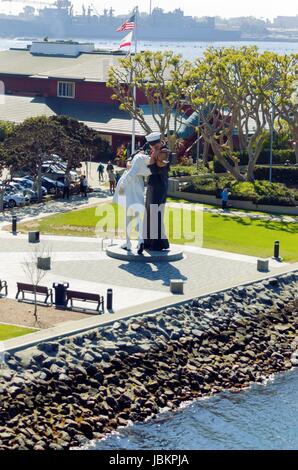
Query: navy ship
x,y
58,20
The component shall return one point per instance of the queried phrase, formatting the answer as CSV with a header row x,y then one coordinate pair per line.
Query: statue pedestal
x,y
116,252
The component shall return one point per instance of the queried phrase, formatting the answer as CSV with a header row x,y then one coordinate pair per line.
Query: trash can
x,y
110,299
33,237
60,294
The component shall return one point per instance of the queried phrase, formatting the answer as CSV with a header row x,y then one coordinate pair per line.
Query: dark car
x,y
52,186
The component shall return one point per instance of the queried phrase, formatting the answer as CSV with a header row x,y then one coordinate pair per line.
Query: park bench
x,y
31,289
72,295
3,288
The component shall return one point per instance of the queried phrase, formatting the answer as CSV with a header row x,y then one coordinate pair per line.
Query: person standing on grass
x,y
100,170
112,180
225,199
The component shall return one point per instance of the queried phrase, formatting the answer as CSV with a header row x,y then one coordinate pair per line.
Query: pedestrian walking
x,y
112,181
100,170
66,189
83,186
110,167
225,198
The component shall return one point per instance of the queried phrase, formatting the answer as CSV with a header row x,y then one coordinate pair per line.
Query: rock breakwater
x,y
83,387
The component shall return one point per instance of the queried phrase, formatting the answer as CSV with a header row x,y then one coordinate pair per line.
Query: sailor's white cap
x,y
153,137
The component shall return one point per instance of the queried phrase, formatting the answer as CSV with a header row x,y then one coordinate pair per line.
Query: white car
x,y
12,199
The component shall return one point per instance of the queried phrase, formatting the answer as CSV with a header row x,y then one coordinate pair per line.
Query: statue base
x,y
116,252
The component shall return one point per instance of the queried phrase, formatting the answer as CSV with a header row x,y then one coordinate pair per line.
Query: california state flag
x,y
127,41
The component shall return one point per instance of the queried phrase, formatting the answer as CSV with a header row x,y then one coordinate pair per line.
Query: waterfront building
x,y
65,78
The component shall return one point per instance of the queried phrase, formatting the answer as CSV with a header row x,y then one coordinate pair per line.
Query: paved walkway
x,y
136,287
81,262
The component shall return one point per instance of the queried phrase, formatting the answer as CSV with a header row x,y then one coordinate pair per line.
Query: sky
x,y
224,8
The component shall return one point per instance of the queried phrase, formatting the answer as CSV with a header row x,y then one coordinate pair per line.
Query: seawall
x,y
63,392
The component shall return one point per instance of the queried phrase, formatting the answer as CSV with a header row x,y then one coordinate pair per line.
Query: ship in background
x,y
57,20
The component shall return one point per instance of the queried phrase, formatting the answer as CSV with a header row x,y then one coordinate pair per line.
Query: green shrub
x,y
181,170
279,157
259,192
281,174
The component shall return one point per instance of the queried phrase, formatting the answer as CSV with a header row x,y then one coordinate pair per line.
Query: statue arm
x,y
130,174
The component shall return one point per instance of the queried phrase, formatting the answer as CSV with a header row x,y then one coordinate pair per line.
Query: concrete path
x,y
81,262
136,287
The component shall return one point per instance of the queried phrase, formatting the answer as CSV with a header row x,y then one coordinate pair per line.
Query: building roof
x,y
106,118
86,66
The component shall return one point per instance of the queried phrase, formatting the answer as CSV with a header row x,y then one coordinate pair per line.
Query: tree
x,y
32,142
34,273
231,90
285,97
36,139
92,146
3,183
158,78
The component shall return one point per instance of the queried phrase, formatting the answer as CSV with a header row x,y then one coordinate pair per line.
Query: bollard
x,y
14,224
276,256
110,299
276,250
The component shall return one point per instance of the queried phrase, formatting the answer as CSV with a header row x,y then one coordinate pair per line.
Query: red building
x,y
65,78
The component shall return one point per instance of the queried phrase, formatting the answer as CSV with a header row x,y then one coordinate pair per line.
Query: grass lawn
x,y
11,331
234,234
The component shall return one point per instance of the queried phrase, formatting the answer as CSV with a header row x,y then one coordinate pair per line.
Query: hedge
x,y
280,174
259,192
279,157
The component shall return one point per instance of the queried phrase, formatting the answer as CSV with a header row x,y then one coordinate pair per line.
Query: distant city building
x,y
286,22
59,20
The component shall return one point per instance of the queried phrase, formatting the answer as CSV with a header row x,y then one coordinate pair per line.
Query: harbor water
x,y
264,417
189,50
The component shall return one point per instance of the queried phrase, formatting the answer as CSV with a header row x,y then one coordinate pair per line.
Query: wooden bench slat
x,y
82,295
30,288
85,297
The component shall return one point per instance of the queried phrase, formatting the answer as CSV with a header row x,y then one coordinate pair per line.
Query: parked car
x,y
28,183
12,199
57,169
52,185
52,171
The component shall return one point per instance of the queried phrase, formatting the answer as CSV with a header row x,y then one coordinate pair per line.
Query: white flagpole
x,y
133,139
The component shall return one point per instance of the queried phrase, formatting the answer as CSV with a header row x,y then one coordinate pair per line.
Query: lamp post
x,y
271,140
198,147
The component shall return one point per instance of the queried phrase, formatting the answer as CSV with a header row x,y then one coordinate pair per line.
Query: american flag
x,y
128,25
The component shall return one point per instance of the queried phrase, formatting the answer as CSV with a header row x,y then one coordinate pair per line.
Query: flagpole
x,y
133,138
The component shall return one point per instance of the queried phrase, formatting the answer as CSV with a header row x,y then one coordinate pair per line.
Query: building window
x,y
66,90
